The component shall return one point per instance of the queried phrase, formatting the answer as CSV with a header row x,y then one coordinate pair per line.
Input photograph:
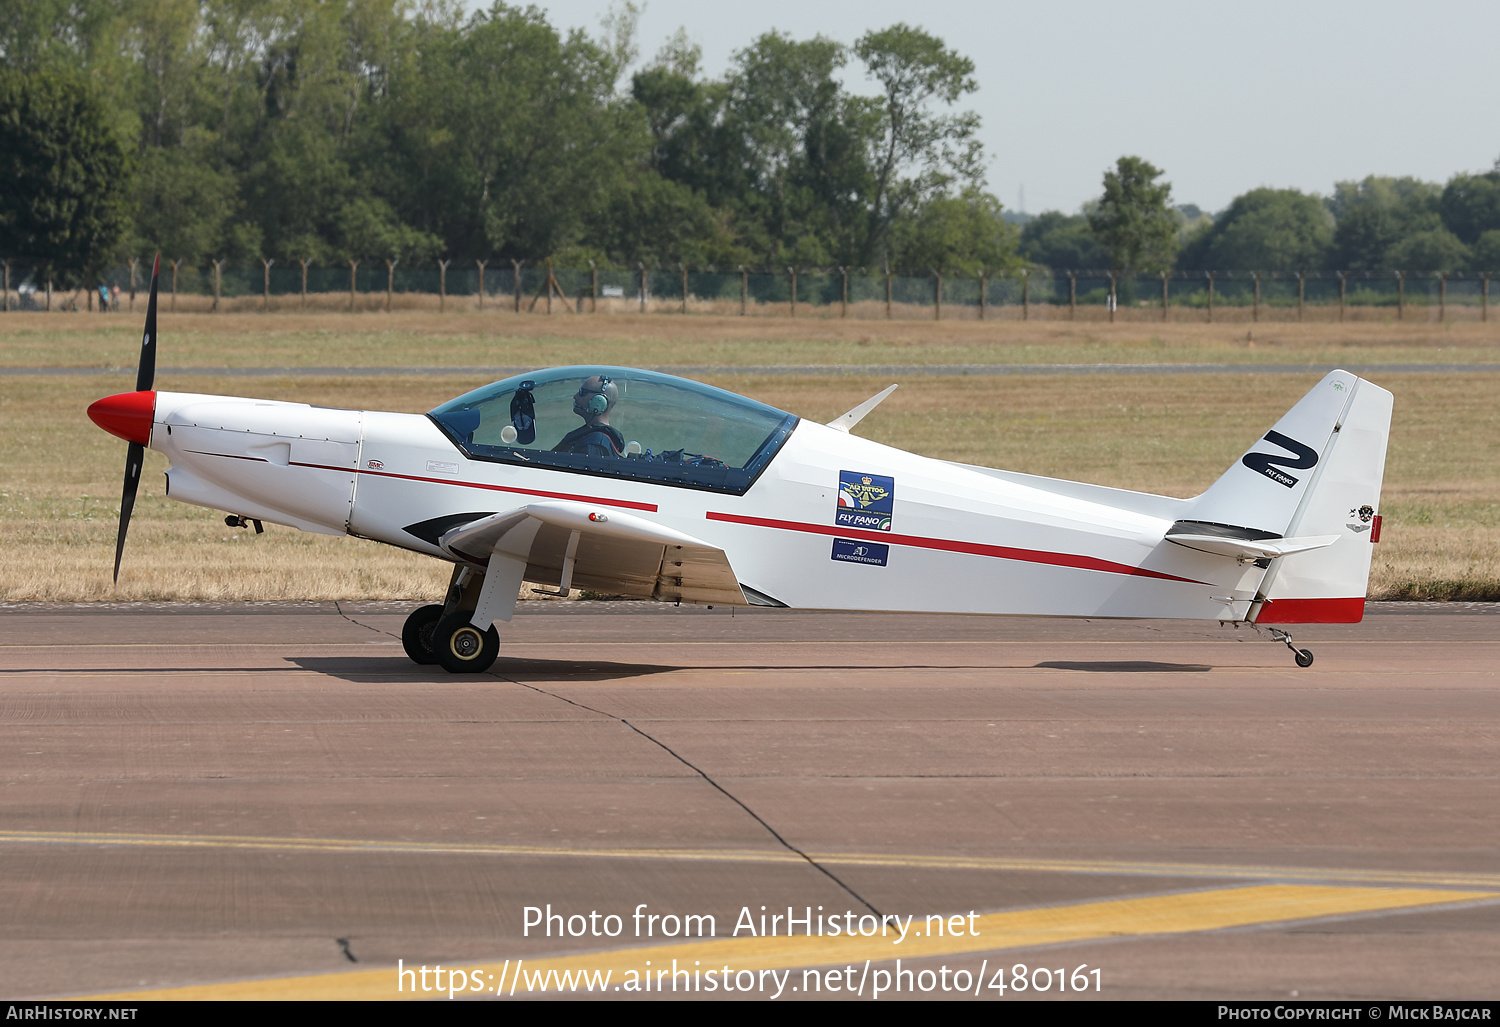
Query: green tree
x,y
1470,205
1486,253
956,233
64,170
792,121
1374,215
503,137
183,205
1266,230
917,153
1134,219
1062,242
1435,249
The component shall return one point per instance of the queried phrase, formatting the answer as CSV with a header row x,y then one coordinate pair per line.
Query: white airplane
x,y
636,483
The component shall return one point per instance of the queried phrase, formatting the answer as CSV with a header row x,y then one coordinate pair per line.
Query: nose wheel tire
x,y
462,648
416,634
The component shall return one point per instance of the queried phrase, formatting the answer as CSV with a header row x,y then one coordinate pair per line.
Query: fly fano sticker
x,y
1271,464
865,501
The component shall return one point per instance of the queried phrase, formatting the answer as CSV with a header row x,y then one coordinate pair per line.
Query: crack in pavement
x,y
713,784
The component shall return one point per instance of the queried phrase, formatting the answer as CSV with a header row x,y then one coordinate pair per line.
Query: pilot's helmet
x,y
595,396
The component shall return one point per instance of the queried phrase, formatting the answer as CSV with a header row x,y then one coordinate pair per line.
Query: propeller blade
x,y
134,457
145,376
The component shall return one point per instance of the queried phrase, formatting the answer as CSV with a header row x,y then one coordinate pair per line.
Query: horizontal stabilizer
x,y
1249,550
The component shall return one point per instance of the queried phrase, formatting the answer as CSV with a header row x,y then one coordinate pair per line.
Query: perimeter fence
x,y
538,287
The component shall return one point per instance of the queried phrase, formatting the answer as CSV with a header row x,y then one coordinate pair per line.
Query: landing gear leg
x,y
1304,657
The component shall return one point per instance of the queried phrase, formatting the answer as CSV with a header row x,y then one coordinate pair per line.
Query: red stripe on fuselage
x,y
1311,611
624,504
1087,563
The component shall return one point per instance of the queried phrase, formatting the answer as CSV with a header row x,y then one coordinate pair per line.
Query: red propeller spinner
x,y
127,415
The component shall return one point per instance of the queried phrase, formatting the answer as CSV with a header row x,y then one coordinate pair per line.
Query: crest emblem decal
x,y
865,501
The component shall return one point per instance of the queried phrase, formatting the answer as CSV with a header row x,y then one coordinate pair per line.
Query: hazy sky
x,y
1224,97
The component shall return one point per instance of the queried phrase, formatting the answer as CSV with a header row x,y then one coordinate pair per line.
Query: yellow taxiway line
x,y
731,958
1126,868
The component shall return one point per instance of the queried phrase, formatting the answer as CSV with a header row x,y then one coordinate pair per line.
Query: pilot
x,y
593,402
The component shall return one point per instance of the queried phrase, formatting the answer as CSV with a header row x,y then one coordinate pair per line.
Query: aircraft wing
x,y
574,544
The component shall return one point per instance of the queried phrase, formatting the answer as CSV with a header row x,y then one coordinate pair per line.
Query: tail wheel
x,y
416,634
462,648
1304,657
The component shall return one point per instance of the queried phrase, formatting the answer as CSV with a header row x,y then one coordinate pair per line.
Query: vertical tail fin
x,y
1317,473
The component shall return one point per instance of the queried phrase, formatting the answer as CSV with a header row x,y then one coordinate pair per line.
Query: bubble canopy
x,y
619,422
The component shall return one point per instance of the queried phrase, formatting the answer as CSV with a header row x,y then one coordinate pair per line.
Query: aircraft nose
x,y
127,415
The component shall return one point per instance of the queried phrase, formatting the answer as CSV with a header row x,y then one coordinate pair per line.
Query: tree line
x,y
371,129
1379,224
336,130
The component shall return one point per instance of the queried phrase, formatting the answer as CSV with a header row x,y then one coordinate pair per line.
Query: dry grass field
x,y
60,484
504,339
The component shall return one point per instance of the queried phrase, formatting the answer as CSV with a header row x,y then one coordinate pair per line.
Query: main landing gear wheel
x,y
461,647
416,634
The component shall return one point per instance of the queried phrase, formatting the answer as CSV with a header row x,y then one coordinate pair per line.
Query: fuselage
x,y
945,538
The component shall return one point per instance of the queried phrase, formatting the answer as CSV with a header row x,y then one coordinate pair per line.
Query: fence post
x,y
844,300
7,282
443,283
1301,290
1211,296
1400,295
304,283
133,262
265,294
1442,296
887,291
1255,311
937,307
1484,307
744,290
49,292
1343,287
548,286
218,266
1072,295
593,287
1112,300
481,264
1026,294
353,282
390,281
641,264
684,287
515,269
793,272
983,290
1164,297
173,305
